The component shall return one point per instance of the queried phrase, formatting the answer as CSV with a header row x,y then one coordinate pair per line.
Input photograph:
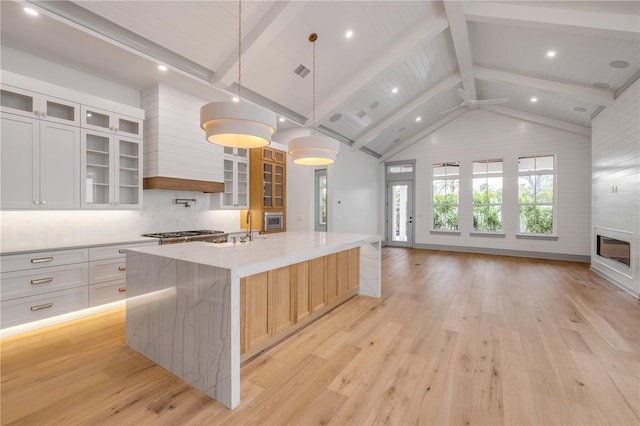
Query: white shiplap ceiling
x,y
427,49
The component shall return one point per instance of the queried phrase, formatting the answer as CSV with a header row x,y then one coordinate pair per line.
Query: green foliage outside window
x,y
487,217
535,196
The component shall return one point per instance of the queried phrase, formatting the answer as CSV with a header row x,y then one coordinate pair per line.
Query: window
x,y
446,184
487,195
536,176
321,200
402,168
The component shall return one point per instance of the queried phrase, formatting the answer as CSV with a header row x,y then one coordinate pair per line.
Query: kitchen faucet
x,y
250,229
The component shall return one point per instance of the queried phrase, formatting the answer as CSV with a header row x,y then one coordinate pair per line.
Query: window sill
x,y
444,232
537,237
487,234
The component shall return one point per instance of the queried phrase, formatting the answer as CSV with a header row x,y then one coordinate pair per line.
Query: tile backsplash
x,y
35,229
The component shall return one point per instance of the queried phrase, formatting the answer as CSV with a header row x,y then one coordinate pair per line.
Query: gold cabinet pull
x,y
42,280
43,306
122,251
122,268
122,289
42,259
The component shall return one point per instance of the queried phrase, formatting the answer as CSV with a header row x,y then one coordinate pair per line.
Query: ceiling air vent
x,y
361,114
335,117
301,71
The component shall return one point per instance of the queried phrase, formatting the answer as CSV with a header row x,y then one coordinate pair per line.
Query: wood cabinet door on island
x,y
277,303
300,285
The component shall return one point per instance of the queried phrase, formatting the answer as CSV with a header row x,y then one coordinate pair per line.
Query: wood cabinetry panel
x,y
318,283
254,300
300,285
283,312
354,268
332,278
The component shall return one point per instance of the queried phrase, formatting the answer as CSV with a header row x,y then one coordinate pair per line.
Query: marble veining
x,y
183,303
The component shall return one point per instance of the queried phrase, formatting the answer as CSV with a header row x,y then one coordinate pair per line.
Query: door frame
x,y
397,177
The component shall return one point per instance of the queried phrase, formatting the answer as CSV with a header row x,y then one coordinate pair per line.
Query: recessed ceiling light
x,y
349,34
31,11
534,99
600,85
394,90
418,119
162,67
236,99
88,114
551,54
281,119
579,109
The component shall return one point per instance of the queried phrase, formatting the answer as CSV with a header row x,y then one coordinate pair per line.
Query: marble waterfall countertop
x,y
183,300
264,253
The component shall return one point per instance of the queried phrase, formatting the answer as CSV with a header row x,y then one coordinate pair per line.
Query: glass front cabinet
x,y
236,180
111,171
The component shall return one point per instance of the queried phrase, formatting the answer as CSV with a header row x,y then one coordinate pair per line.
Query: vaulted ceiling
x,y
427,50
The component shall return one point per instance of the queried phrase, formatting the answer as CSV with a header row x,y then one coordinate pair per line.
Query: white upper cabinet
x,y
40,164
236,181
30,104
106,121
67,154
111,171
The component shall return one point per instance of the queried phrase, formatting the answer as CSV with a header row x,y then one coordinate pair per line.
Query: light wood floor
x,y
456,339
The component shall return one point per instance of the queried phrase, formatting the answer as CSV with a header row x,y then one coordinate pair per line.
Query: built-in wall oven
x,y
273,221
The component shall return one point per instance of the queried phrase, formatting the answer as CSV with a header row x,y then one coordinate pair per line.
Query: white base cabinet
x,y
40,285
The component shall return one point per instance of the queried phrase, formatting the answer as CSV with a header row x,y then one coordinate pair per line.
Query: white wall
x,y
481,135
616,182
352,187
41,69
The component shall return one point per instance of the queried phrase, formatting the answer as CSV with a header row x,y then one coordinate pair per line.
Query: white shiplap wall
x,y
174,144
480,135
616,164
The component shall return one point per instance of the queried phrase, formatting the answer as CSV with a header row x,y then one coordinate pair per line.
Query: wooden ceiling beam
x,y
419,35
595,24
460,37
406,109
581,93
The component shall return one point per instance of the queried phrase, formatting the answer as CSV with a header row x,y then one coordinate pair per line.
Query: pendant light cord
x,y
313,39
239,48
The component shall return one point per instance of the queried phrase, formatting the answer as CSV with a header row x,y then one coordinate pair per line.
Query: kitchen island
x,y
197,308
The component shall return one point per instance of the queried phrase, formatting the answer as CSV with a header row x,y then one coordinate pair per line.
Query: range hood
x,y
177,184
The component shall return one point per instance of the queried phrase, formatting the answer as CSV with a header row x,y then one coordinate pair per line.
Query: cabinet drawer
x,y
33,308
102,293
42,280
107,270
115,251
43,259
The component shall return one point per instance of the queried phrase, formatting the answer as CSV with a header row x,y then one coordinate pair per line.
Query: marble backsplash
x,y
32,229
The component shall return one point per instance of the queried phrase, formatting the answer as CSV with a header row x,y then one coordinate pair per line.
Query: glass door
x,y
400,214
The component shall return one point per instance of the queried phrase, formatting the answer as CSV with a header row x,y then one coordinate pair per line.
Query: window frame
x,y
445,177
553,204
487,175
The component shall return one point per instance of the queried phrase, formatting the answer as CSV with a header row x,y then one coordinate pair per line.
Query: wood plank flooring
x,y
456,339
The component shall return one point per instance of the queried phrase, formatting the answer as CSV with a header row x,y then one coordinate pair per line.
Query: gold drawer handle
x,y
42,259
43,306
122,289
122,251
122,268
42,280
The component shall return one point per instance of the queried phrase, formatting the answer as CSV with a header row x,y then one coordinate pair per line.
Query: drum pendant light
x,y
314,150
238,124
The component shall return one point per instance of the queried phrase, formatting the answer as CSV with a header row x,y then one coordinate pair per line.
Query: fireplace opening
x,y
616,250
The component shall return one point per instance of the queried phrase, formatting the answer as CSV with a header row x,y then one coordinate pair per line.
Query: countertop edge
x,y
80,246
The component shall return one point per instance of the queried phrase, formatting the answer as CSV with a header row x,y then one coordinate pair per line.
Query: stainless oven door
x,y
273,221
